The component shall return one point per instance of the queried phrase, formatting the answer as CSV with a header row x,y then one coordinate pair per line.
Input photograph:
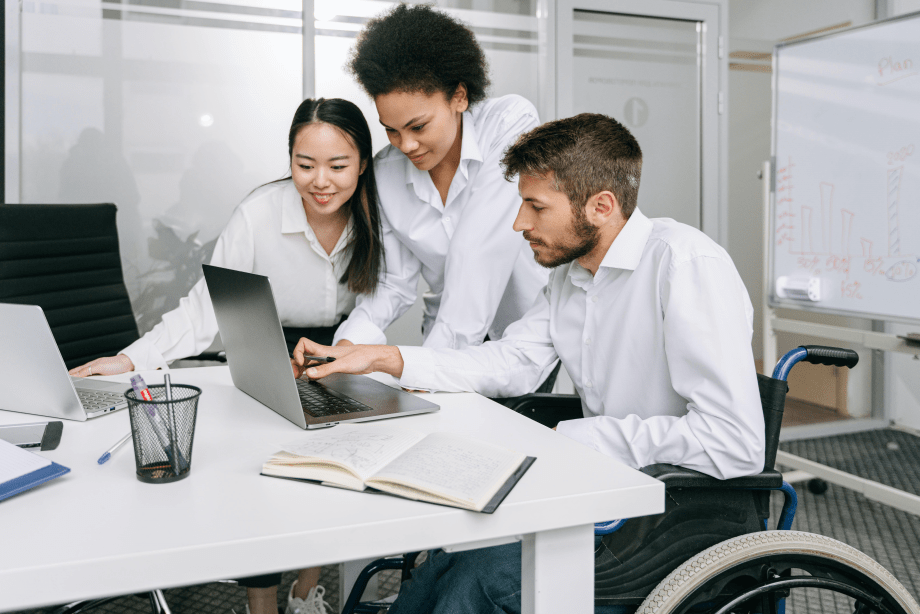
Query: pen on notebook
x,y
319,358
108,453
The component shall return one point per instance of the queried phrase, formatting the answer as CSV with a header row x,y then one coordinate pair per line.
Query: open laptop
x,y
260,366
34,379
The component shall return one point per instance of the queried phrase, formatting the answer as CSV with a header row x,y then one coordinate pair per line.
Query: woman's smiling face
x,y
422,126
325,166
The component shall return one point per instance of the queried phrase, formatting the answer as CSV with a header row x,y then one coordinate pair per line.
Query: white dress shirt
x,y
658,344
268,234
481,273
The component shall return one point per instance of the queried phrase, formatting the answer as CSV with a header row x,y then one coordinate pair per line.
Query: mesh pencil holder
x,y
163,432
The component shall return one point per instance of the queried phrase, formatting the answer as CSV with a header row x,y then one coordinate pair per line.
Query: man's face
x,y
556,232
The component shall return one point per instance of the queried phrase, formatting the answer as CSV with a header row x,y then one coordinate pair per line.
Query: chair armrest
x,y
547,409
679,477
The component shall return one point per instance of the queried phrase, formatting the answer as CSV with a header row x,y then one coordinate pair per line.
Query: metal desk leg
x,y
557,571
348,573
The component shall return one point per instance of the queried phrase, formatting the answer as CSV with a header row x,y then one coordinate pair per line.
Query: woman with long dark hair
x,y
316,234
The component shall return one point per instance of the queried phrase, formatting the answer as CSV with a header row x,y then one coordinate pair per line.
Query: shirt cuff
x,y
360,332
418,364
582,430
144,355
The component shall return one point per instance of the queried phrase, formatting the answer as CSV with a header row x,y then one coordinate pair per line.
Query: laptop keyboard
x,y
94,400
319,402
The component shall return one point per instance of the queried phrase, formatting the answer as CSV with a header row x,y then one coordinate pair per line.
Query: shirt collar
x,y
293,217
627,248
294,221
624,253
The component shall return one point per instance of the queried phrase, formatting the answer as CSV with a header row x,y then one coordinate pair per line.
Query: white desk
x,y
99,531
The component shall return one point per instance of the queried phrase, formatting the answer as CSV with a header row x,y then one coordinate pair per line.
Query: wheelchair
x,y
711,551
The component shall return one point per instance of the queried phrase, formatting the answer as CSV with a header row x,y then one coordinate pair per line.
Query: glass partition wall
x,y
174,111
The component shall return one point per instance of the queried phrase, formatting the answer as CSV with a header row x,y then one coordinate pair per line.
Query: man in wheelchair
x,y
654,325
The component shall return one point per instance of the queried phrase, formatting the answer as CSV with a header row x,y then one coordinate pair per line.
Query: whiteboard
x,y
845,210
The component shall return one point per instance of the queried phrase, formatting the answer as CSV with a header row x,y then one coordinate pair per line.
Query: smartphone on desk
x,y
44,435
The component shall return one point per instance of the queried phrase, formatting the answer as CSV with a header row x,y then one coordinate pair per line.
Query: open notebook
x,y
442,468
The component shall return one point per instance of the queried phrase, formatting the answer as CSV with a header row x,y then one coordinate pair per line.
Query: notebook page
x,y
16,462
454,467
363,447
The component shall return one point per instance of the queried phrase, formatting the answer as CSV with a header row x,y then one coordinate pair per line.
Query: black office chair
x,y
65,259
655,563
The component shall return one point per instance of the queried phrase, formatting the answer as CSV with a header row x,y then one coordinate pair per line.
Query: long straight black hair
x,y
365,243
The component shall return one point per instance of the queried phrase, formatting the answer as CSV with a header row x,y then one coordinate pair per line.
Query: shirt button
x,y
588,341
594,299
587,383
447,219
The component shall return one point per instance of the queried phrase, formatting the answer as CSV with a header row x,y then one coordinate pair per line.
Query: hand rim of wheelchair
x,y
834,566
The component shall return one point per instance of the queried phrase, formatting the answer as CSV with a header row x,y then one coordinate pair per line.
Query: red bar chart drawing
x,y
846,231
893,196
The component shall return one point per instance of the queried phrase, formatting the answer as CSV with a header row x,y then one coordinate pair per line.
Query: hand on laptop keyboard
x,y
107,365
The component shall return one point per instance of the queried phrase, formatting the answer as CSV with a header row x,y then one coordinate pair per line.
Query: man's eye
x,y
418,128
305,167
338,168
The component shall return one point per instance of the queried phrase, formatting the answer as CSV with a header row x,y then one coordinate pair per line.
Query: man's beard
x,y
585,238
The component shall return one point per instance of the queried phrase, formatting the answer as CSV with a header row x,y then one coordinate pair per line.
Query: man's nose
x,y
520,222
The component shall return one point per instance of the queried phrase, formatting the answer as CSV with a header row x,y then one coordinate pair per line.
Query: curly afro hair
x,y
419,49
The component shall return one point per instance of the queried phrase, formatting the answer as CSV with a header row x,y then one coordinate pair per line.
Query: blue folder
x,y
31,480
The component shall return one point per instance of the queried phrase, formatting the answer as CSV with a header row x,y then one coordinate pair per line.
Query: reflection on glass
x,y
646,73
174,115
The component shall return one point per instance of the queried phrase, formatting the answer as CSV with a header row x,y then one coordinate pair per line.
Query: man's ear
x,y
459,100
603,206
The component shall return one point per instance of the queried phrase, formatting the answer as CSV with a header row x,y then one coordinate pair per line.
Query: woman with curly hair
x,y
447,211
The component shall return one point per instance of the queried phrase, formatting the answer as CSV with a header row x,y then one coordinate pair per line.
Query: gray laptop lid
x,y
259,364
33,377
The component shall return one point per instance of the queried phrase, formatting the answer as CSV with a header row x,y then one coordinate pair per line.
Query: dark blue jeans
x,y
485,581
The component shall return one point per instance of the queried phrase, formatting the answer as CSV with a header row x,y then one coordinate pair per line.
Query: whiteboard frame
x,y
772,300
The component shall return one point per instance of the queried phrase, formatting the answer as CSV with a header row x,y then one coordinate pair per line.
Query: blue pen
x,y
108,454
160,429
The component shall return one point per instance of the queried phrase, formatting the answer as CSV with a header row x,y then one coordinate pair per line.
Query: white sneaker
x,y
313,604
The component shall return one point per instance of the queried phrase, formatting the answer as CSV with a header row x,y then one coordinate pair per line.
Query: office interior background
x,y
176,109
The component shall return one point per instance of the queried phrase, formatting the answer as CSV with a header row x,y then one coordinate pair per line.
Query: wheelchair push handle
x,y
835,357
815,354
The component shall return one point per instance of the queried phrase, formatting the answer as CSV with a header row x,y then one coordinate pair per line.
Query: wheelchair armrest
x,y
547,409
679,477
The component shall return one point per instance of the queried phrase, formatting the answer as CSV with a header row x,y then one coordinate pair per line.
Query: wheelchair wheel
x,y
750,573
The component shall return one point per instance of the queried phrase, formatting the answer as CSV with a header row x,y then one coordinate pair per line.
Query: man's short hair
x,y
587,154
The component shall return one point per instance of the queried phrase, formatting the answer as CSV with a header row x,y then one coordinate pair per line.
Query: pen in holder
x,y
163,428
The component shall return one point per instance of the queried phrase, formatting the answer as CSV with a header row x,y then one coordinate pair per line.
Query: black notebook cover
x,y
490,507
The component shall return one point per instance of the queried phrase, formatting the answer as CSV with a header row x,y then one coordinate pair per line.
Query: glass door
x,y
657,72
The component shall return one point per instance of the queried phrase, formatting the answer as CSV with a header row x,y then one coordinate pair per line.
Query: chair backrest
x,y
772,400
65,259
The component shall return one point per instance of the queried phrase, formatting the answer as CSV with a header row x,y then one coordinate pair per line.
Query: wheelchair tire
x,y
693,582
